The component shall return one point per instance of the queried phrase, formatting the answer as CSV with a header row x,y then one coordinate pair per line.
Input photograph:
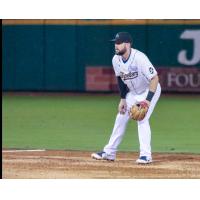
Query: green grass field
x,y
85,122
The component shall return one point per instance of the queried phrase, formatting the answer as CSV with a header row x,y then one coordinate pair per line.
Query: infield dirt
x,y
79,165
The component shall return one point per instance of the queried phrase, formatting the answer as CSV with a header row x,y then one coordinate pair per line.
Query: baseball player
x,y
138,84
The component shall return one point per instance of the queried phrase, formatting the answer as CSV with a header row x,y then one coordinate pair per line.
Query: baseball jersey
x,y
136,72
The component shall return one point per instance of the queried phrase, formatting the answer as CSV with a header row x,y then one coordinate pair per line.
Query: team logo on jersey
x,y
130,75
151,70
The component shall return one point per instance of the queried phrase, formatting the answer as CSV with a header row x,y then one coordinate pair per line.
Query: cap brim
x,y
113,40
116,41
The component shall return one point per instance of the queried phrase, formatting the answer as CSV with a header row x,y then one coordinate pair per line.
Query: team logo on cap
x,y
117,36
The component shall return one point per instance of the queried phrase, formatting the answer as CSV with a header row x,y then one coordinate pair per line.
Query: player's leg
x,y
144,134
109,151
117,134
144,131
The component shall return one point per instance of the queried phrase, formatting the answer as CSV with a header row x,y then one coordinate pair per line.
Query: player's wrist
x,y
150,96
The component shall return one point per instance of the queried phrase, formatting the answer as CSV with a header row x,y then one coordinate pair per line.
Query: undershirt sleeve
x,y
122,87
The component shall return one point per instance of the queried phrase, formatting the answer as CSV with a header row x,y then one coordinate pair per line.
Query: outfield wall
x,y
53,55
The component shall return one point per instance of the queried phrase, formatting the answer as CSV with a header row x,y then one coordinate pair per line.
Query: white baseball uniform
x,y
136,73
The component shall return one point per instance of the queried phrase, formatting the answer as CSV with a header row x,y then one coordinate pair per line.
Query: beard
x,y
120,52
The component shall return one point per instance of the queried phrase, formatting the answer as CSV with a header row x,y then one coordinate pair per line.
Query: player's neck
x,y
126,56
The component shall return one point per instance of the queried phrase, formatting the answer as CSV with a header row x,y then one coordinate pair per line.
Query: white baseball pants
x,y
144,131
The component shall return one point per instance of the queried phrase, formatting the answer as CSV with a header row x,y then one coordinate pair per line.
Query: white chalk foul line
x,y
23,150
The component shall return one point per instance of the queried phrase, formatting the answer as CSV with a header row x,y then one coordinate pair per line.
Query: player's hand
x,y
122,106
145,103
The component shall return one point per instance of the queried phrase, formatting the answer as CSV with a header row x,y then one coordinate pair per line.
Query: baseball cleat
x,y
143,160
102,156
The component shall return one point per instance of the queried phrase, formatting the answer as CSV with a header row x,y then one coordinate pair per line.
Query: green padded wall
x,y
54,57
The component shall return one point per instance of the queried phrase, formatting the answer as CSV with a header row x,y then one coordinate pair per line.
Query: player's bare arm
x,y
152,89
153,83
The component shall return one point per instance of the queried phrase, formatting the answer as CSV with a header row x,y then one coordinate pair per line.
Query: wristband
x,y
150,95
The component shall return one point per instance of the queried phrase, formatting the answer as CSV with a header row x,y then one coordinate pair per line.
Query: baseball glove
x,y
139,111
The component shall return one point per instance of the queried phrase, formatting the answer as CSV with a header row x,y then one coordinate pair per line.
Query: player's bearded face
x,y
120,49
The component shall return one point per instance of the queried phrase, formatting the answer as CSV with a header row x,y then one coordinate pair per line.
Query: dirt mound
x,y
78,164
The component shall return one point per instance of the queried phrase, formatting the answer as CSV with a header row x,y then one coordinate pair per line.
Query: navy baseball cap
x,y
122,37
